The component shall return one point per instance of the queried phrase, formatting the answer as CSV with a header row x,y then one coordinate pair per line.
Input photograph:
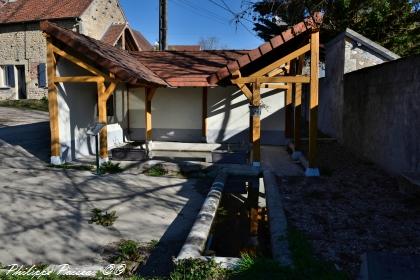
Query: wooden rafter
x,y
281,61
282,79
79,79
81,63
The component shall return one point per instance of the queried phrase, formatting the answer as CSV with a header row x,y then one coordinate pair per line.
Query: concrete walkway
x,y
276,159
44,212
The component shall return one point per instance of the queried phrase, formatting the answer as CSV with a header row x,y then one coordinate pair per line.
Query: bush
x,y
104,219
109,167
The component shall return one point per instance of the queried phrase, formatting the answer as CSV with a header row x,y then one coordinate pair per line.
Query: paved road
x,y
44,212
26,128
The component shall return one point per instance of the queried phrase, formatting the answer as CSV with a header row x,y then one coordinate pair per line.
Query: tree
x,y
395,24
211,43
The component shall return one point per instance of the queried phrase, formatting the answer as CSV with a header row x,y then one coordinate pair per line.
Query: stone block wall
x,y
24,44
381,115
343,55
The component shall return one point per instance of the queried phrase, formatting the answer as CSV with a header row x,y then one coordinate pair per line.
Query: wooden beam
x,y
256,123
282,79
150,92
281,61
288,108
81,63
53,102
298,106
110,90
313,103
297,116
204,115
79,79
246,91
275,86
103,136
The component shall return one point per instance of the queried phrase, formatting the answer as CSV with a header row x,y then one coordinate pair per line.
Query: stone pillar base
x,y
256,164
312,172
55,160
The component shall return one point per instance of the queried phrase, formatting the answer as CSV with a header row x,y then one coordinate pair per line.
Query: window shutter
x,y
10,74
42,75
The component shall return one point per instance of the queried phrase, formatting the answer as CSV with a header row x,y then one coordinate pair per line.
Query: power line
x,y
199,12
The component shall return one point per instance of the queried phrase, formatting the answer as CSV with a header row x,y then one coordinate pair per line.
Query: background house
x,y
23,46
348,52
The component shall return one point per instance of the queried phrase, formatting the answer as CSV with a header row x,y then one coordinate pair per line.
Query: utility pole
x,y
163,24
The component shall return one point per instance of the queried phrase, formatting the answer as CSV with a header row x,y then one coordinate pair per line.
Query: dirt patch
x,y
354,207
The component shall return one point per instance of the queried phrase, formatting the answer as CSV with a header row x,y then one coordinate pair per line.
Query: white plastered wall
x,y
177,115
77,103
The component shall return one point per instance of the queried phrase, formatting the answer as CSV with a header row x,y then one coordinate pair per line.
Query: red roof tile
x,y
184,47
276,43
113,33
186,68
142,41
110,58
36,10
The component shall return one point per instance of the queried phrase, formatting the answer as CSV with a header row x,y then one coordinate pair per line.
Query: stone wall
x,y
381,116
99,16
343,55
24,44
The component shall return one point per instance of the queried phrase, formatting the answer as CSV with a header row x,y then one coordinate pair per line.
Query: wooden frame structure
x,y
285,73
106,85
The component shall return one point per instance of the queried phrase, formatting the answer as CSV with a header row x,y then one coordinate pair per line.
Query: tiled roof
x,y
36,10
186,68
142,41
113,33
279,44
184,47
103,56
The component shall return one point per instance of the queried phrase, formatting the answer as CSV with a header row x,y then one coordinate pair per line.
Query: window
x,y
7,76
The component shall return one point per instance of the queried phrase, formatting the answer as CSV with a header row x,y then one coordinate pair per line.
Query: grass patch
x,y
156,171
73,166
306,265
104,219
196,269
110,167
32,104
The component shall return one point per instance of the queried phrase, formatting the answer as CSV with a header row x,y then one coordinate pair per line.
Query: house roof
x,y
359,38
103,56
184,47
279,45
142,41
186,68
35,10
113,33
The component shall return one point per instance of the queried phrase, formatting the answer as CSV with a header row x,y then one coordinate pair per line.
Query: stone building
x,y
348,52
23,45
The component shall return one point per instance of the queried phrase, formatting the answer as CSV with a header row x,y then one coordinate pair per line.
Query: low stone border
x,y
197,238
277,219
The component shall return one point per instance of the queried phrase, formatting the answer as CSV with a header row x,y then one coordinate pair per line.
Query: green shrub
x,y
104,219
156,171
197,269
110,167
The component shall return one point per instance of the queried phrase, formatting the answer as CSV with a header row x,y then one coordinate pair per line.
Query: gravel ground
x,y
353,208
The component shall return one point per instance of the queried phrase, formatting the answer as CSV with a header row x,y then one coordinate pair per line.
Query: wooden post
x,y
298,107
148,113
255,111
53,105
313,103
102,117
204,115
288,107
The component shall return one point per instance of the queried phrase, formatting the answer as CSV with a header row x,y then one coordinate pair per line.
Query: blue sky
x,y
190,20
